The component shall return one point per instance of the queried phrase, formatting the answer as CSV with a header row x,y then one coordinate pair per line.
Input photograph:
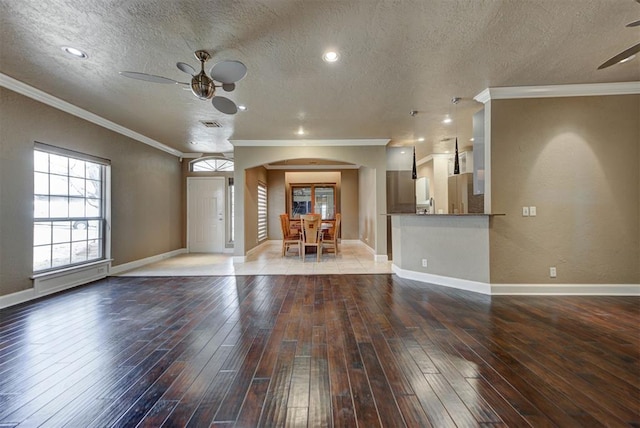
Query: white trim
x,y
43,97
565,289
46,283
116,270
552,91
521,289
380,258
305,167
446,281
309,143
239,259
17,298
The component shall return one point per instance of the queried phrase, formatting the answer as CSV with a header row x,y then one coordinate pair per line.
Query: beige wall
x,y
349,204
577,161
367,208
146,192
276,201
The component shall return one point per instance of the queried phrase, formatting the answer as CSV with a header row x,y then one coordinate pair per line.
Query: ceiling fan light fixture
x,y
202,86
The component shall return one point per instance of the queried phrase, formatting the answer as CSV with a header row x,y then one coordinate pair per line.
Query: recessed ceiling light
x,y
242,107
300,131
402,152
75,52
421,139
471,139
446,151
330,56
447,120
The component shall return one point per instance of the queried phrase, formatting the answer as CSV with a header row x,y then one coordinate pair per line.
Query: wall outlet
x,y
525,211
424,262
552,272
532,211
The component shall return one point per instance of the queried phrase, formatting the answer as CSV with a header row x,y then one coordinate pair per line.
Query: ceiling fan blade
x,y
622,55
228,71
147,77
224,105
184,67
228,87
633,24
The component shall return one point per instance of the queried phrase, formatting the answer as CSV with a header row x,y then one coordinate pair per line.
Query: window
x,y
69,208
212,165
313,198
262,212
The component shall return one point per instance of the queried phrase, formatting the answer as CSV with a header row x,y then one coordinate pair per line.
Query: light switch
x,y
525,211
532,211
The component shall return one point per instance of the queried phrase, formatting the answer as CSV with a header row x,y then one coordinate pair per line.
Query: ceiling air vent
x,y
211,124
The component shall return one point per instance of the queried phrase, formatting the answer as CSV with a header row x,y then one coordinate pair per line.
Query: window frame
x,y
75,238
216,168
312,186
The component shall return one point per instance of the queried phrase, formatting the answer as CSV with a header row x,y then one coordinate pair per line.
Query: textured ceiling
x,y
396,56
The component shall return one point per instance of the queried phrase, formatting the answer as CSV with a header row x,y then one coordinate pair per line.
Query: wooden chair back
x,y
311,228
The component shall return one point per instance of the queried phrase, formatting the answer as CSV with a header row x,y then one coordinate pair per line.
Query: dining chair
x,y
330,239
289,239
311,234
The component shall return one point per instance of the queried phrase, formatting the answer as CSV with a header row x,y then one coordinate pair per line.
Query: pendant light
x,y
456,159
414,170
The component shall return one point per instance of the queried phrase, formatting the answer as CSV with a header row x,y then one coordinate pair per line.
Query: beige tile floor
x,y
354,258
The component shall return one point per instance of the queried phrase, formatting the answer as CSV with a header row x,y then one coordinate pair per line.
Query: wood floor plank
x,y
316,350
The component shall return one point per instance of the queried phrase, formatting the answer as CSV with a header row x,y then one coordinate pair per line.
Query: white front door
x,y
205,214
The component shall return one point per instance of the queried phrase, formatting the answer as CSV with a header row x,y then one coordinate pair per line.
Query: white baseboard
x,y
565,289
446,281
522,289
380,258
17,298
117,270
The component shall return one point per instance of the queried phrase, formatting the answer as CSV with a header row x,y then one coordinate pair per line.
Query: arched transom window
x,y
211,165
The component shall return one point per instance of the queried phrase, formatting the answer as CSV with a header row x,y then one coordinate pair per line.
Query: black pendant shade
x,y
456,160
414,172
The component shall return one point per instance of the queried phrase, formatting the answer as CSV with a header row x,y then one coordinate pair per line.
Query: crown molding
x,y
311,167
48,99
309,143
553,91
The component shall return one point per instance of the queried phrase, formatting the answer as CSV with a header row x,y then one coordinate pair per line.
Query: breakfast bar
x,y
445,249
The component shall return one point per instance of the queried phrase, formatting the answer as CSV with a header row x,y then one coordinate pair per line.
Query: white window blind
x,y
262,212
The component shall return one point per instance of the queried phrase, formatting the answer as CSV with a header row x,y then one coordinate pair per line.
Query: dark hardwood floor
x,y
350,350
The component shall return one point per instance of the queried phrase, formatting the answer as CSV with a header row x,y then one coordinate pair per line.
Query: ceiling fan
x,y
203,86
627,54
